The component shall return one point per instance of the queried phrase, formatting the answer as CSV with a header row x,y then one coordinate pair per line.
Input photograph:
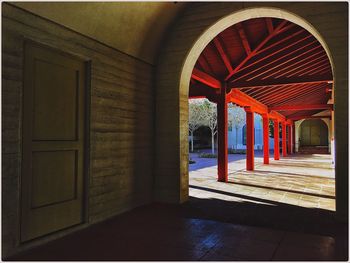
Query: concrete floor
x,y
252,218
301,180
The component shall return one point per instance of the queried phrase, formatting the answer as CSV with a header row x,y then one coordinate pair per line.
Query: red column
x,y
276,136
266,138
289,139
250,138
284,140
222,137
293,137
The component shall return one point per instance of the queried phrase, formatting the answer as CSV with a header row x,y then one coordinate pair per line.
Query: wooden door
x,y
53,141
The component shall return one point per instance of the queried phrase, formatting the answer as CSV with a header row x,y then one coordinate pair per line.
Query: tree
x,y
210,120
195,119
236,118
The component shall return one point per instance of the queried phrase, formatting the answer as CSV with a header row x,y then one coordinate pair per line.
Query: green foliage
x,y
207,155
236,151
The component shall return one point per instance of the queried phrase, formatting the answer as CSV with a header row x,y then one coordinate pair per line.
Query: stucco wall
x,y
121,123
329,19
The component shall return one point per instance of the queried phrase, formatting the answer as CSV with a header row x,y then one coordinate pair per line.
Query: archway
x,y
241,98
178,58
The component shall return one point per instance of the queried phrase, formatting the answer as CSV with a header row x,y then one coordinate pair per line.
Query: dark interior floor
x,y
203,229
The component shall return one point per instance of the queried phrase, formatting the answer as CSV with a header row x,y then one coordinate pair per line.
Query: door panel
x,y
314,133
53,141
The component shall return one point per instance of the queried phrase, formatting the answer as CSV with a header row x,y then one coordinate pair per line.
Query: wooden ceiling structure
x,y
277,64
268,66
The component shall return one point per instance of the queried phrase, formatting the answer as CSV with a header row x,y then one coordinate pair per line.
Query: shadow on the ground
x,y
201,163
270,214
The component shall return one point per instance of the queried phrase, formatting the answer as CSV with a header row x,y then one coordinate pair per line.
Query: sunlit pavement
x,y
300,180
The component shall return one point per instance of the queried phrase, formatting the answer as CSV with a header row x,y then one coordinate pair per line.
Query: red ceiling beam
x,y
275,51
244,38
274,62
223,54
240,98
293,70
269,24
302,107
298,98
309,117
262,43
279,82
291,92
203,62
206,79
278,64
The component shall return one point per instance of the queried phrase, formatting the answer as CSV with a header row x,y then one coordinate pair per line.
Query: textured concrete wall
x,y
121,124
330,19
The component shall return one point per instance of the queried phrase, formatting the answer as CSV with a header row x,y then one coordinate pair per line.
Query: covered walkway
x,y
299,180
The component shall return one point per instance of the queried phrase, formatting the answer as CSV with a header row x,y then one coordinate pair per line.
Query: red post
x,y
289,139
266,138
293,137
222,136
276,139
284,140
250,138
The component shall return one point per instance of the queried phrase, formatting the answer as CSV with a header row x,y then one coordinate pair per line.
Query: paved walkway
x,y
301,180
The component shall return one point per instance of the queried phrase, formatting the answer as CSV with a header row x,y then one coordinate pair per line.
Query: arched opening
x,y
279,70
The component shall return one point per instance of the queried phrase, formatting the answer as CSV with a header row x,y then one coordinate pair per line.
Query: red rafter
x,y
302,107
223,55
296,98
206,79
296,70
277,65
275,52
244,38
262,43
285,70
309,117
280,82
276,62
203,62
290,93
269,24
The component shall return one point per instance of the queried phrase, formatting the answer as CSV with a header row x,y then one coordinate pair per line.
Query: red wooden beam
x,y
198,90
206,79
274,115
244,38
203,62
278,42
316,91
277,63
262,43
223,54
302,107
280,82
292,93
296,118
269,24
294,71
274,62
274,52
240,98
